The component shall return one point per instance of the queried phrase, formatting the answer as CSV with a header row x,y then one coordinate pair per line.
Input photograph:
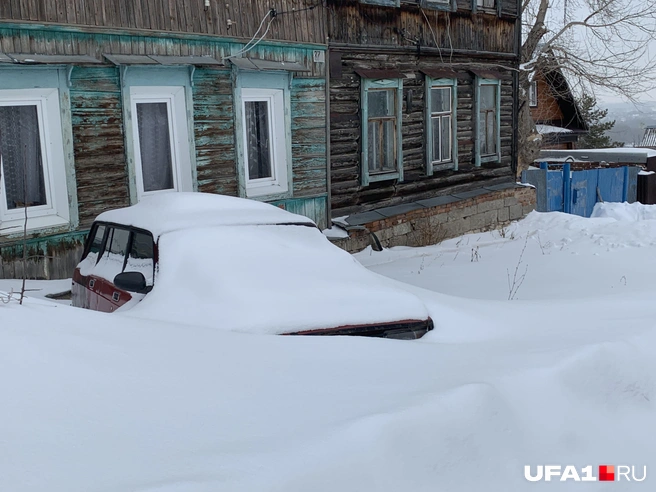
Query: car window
x,y
112,259
94,246
96,243
141,257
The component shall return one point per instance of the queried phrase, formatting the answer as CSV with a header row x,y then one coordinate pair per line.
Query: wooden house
x,y
423,100
103,102
554,111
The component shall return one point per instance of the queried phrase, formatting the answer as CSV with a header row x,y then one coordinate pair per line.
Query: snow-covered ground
x,y
563,374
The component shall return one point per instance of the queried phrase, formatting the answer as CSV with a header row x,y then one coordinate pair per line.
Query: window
x,y
441,124
381,130
265,142
384,3
533,94
486,4
32,160
438,4
161,140
113,250
488,141
141,257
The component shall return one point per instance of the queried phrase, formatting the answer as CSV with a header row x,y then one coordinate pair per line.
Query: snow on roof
x,y
542,129
268,279
170,211
622,150
629,155
649,138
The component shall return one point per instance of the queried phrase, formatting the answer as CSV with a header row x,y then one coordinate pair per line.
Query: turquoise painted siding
x,y
308,109
314,208
214,131
98,141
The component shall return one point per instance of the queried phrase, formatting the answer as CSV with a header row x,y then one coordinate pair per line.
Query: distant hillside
x,y
630,120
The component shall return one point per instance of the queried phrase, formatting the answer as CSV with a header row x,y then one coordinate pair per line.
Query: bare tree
x,y
597,44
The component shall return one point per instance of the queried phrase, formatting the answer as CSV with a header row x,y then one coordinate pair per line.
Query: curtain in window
x,y
155,146
22,161
257,139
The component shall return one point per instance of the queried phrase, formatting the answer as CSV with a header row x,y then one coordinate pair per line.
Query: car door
x,y
111,263
84,291
112,249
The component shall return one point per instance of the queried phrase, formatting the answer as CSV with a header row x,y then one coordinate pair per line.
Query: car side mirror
x,y
131,282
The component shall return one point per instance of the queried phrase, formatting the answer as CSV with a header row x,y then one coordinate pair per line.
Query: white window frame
x,y
279,181
431,163
174,97
56,211
533,94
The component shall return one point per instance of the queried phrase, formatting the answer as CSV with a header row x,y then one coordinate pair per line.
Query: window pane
x,y
141,257
258,139
155,146
533,94
491,134
118,243
96,244
381,103
488,97
22,161
446,138
482,132
382,146
437,133
373,138
441,100
389,145
112,259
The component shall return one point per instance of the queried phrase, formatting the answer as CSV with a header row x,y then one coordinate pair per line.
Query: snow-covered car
x,y
238,265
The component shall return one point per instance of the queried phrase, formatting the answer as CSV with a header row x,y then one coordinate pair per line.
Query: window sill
x,y
490,158
384,176
272,192
443,166
14,227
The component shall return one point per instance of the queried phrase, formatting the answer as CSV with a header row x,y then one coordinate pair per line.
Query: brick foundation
x,y
427,225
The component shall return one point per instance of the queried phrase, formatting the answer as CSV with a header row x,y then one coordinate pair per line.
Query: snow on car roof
x,y
268,279
172,211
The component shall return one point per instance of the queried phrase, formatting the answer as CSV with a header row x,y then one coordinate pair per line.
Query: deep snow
x,y
564,374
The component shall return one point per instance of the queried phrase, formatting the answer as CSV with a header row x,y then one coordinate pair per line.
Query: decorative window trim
x,y
496,10
174,79
56,212
479,159
448,5
174,97
533,94
365,86
279,182
432,83
383,3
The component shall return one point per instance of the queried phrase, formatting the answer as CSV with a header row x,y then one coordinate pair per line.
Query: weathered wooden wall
x,y
349,196
98,141
214,132
297,20
308,101
351,22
